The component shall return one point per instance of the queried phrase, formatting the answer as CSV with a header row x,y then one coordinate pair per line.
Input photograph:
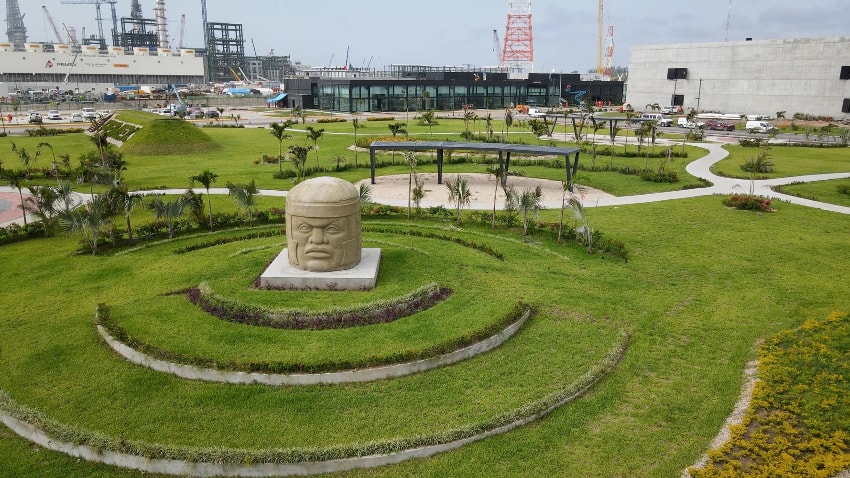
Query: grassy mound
x,y
161,136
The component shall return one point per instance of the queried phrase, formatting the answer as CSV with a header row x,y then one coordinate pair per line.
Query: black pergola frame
x,y
504,151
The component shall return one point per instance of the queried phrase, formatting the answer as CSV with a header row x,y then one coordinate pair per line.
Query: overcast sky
x,y
460,32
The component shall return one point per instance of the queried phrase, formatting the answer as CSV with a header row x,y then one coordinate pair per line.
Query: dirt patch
x,y
393,190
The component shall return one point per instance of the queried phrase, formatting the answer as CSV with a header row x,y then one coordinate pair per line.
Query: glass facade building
x,y
426,90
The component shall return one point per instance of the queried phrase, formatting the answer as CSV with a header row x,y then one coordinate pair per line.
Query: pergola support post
x,y
439,166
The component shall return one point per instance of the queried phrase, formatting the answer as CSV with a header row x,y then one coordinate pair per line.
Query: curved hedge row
x,y
60,432
104,318
379,312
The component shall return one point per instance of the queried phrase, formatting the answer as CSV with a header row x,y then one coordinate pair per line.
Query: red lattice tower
x,y
518,50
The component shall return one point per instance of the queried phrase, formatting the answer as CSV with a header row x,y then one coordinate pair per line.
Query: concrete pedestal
x,y
281,275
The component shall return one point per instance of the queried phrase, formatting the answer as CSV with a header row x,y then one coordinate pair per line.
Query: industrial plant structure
x,y
807,75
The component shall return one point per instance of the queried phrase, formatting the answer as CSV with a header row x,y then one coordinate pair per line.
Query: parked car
x,y
103,113
684,123
89,113
211,114
54,115
77,118
670,110
196,113
760,127
660,120
718,125
35,118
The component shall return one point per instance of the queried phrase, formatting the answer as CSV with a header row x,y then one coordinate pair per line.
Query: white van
x,y
760,127
89,113
660,119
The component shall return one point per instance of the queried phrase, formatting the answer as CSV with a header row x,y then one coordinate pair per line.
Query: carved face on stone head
x,y
323,225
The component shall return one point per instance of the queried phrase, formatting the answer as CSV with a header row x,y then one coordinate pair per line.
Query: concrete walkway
x,y
700,168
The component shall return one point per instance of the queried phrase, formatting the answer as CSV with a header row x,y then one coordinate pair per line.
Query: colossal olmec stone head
x,y
323,225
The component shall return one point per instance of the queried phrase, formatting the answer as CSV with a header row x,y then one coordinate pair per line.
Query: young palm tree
x,y
428,120
42,204
498,171
298,154
244,195
89,220
206,178
460,194
279,132
315,135
418,191
467,117
357,124
509,121
489,125
396,128
100,140
410,157
16,179
169,211
529,204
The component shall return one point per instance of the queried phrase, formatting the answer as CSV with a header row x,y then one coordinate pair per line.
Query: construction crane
x,y
49,18
182,31
99,16
497,46
600,32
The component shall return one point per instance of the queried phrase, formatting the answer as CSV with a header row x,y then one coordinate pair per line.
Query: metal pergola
x,y
504,150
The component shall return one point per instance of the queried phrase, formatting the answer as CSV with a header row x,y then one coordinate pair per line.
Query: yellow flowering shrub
x,y
798,422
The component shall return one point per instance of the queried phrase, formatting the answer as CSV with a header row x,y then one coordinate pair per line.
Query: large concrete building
x,y
808,75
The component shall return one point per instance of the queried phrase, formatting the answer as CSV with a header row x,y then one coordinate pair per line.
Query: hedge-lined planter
x,y
204,462
348,376
379,312
103,318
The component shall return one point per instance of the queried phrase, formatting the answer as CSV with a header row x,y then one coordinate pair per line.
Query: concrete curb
x,y
349,376
205,469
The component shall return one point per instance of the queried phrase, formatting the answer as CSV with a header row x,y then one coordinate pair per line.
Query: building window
x,y
845,73
677,73
678,100
845,107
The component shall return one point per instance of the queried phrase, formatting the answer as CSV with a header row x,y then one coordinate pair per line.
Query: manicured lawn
x,y
823,191
788,161
703,284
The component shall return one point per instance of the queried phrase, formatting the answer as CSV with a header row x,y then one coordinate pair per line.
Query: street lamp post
x,y
699,94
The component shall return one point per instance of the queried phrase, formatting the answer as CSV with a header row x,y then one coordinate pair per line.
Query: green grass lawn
x,y
788,161
823,191
703,284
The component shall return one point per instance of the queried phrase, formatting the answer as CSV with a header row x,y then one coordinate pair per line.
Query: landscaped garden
x,y
660,319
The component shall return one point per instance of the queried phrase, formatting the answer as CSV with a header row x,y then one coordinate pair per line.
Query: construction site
x,y
135,56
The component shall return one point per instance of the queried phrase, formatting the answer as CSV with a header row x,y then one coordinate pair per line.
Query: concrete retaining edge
x,y
201,469
192,372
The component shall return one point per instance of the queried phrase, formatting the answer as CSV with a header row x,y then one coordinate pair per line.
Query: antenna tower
x,y
518,50
728,20
15,29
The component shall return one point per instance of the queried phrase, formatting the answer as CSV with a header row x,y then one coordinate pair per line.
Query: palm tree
x,y
16,179
509,121
396,128
206,178
220,114
315,135
629,116
357,124
467,117
459,193
244,195
42,203
298,154
498,171
428,120
170,211
53,153
279,132
88,220
529,203
100,139
410,157
488,123
418,191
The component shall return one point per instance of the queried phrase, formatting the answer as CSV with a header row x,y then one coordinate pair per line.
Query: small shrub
x,y
380,118
748,202
660,176
331,120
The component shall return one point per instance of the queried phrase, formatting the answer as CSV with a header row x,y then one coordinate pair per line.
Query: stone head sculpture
x,y
323,225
